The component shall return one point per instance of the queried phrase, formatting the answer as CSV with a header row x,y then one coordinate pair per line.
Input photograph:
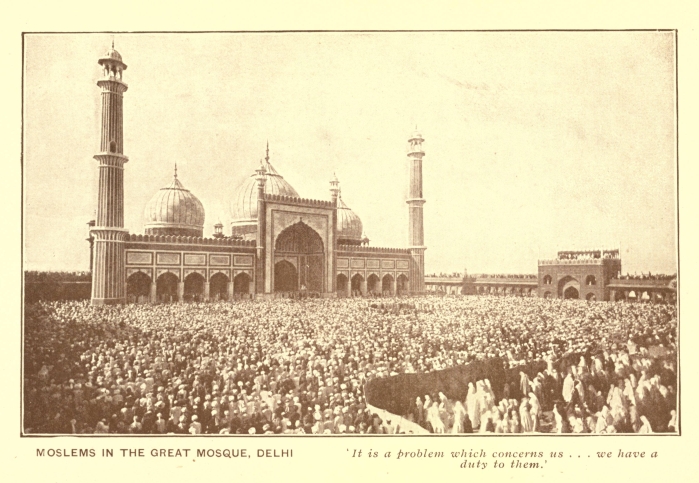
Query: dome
x,y
113,54
349,226
244,204
111,58
174,210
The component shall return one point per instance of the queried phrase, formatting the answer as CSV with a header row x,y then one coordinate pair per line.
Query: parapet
x,y
357,248
299,201
189,240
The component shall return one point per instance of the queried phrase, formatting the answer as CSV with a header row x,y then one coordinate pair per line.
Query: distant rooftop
x,y
588,254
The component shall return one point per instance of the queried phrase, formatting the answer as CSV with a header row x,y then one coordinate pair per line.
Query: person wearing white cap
x,y
160,424
135,427
102,427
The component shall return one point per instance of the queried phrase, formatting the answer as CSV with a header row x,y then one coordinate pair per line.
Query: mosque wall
x,y
352,263
155,259
366,262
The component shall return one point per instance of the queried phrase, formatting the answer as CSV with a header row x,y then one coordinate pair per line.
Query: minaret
x,y
334,196
334,189
261,179
416,239
108,277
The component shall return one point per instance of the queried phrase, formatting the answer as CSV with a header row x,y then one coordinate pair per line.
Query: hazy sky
x,y
535,142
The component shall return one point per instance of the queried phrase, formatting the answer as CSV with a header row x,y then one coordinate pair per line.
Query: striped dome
x,y
244,205
174,210
349,226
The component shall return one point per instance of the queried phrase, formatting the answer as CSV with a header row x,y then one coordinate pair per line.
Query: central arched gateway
x,y
569,288
303,244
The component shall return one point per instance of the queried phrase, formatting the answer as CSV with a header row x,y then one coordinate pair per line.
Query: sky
x,y
535,141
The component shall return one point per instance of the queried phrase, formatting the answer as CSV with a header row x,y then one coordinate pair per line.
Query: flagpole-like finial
x,y
175,170
267,155
112,42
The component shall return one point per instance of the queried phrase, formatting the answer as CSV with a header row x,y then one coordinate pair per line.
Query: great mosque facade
x,y
283,245
280,244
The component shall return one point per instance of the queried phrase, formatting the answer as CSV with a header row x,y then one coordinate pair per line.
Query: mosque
x,y
279,244
283,245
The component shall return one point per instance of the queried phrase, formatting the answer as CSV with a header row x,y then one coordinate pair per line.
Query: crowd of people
x,y
589,255
301,366
445,275
648,276
616,394
508,275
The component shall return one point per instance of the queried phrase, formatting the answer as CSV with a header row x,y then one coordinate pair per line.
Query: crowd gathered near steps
x,y
301,366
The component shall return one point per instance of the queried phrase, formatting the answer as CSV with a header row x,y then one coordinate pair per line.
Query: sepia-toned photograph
x,y
455,233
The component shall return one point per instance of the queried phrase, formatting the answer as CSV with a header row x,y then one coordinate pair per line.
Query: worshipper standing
x,y
515,427
505,423
434,419
525,417
568,387
645,426
473,406
102,427
524,384
497,421
672,425
562,425
459,415
419,412
535,411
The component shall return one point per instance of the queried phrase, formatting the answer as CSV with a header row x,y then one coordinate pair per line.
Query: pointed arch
x,y
387,284
241,284
194,287
356,286
569,287
299,238
138,287
166,287
373,283
218,286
